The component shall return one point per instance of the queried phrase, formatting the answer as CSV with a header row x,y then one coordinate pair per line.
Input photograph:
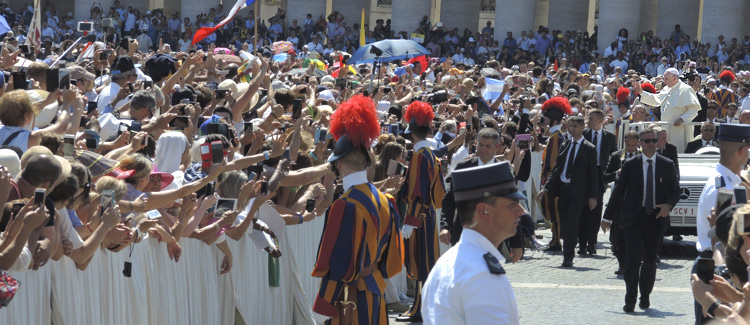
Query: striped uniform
x,y
723,97
549,204
424,193
361,229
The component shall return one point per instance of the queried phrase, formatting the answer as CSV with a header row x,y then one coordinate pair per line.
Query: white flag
x,y
35,29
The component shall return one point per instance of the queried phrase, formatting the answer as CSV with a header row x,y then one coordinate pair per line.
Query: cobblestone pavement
x,y
590,292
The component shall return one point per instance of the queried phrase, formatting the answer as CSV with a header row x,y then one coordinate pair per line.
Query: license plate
x,y
683,211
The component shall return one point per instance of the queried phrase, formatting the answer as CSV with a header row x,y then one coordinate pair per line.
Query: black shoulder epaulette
x,y
493,264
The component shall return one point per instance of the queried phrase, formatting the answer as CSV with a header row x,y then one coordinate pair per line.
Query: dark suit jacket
x,y
608,146
584,180
696,144
451,222
614,164
670,151
628,193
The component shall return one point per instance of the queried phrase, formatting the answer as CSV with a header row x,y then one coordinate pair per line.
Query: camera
x,y
437,97
127,271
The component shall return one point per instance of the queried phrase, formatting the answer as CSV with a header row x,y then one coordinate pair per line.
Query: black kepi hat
x,y
485,181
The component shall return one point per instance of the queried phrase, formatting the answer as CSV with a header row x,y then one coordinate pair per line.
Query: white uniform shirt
x,y
461,290
708,201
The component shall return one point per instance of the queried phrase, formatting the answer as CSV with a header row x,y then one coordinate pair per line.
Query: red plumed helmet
x,y
557,103
356,118
648,87
726,76
622,95
421,112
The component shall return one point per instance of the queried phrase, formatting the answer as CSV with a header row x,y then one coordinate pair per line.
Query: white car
x,y
694,171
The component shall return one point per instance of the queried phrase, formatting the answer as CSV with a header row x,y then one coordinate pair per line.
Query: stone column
x,y
194,8
615,15
461,14
722,17
650,15
298,9
352,11
406,14
568,15
673,12
520,18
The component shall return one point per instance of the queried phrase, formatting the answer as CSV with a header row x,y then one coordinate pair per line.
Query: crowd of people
x,y
141,134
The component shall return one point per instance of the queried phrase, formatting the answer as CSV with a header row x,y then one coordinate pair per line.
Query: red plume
x,y
421,112
726,76
622,95
357,119
648,87
559,103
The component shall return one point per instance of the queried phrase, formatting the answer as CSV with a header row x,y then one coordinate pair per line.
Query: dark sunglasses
x,y
713,107
650,140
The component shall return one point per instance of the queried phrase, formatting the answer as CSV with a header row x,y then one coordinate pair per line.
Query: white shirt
x,y
461,290
645,175
708,201
106,96
354,179
571,155
598,135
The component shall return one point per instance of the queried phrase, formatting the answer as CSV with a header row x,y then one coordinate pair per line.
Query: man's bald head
x,y
41,168
745,117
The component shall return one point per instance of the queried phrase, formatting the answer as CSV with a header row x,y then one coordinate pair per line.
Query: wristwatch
x,y
713,307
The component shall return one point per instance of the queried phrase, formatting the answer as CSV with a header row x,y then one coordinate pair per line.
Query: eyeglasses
x,y
649,140
709,130
713,107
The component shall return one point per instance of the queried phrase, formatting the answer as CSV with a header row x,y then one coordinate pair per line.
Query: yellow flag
x,y
362,30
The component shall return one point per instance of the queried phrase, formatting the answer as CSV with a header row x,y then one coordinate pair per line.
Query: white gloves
x,y
406,231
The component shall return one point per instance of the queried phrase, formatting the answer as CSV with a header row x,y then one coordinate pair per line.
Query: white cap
x,y
672,71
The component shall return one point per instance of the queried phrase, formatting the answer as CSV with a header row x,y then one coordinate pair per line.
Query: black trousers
x,y
589,226
641,242
617,239
570,216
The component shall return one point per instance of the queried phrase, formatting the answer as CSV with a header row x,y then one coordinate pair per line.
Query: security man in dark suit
x,y
708,129
666,149
575,182
612,212
488,145
650,187
605,143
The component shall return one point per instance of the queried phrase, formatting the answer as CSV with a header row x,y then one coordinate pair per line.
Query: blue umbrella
x,y
391,50
4,28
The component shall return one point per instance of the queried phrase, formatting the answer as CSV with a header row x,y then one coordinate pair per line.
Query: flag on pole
x,y
205,31
362,40
34,36
88,52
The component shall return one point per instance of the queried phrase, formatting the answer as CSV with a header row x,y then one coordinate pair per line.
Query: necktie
x,y
649,188
571,157
596,135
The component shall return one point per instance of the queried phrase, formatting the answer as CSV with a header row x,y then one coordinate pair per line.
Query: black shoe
x,y
676,237
412,319
619,270
591,251
628,308
556,248
581,252
645,303
567,263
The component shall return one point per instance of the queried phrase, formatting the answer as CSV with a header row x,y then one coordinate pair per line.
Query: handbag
x,y
8,288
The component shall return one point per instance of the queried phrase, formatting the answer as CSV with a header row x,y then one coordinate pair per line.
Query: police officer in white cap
x,y
468,284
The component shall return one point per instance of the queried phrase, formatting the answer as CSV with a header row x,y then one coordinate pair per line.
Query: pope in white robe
x,y
678,104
